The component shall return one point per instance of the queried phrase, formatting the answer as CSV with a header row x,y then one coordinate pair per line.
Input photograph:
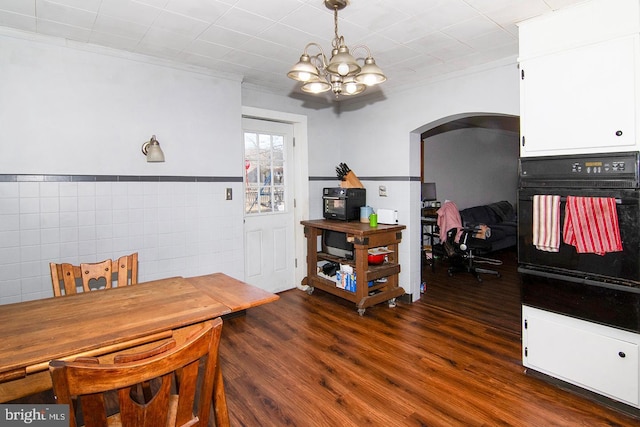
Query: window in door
x,y
264,161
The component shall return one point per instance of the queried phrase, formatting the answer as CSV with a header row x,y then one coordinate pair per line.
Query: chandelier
x,y
342,74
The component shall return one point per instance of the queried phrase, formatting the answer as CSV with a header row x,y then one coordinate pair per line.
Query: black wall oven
x,y
599,288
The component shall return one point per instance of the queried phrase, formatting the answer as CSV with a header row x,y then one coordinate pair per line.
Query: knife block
x,y
351,181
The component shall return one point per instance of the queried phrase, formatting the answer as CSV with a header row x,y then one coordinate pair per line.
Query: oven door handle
x,y
563,199
580,280
332,198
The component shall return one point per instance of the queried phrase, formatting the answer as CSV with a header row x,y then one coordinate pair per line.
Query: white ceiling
x,y
411,40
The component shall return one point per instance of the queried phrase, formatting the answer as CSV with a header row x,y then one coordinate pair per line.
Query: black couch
x,y
500,217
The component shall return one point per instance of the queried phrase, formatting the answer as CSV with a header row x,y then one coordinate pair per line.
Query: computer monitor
x,y
429,191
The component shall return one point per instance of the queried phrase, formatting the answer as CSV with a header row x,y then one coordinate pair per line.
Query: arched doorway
x,y
472,157
488,127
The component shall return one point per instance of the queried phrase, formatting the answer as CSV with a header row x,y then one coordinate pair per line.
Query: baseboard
x,y
598,398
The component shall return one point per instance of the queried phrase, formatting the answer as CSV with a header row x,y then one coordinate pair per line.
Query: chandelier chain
x,y
335,27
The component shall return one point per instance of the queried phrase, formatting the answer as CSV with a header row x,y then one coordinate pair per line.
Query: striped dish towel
x,y
591,225
546,222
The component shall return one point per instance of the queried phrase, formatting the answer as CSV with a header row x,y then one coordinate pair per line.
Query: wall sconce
x,y
152,150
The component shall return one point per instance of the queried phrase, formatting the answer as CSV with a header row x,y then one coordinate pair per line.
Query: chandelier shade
x,y
341,73
370,74
343,63
352,87
304,70
316,85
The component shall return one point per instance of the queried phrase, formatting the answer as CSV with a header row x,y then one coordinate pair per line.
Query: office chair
x,y
461,247
463,254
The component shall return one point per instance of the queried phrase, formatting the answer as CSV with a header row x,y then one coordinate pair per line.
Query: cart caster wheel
x,y
450,273
361,311
499,275
479,279
310,290
392,303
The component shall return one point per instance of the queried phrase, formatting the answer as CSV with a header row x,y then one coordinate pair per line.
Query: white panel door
x,y
268,205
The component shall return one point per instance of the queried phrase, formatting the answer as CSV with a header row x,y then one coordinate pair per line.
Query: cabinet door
x,y
580,101
591,356
578,25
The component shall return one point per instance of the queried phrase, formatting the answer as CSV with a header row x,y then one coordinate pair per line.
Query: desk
x,y
429,225
103,322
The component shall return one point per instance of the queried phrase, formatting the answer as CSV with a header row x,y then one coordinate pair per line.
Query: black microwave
x,y
343,203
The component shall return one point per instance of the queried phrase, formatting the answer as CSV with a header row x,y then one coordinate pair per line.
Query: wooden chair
x,y
63,278
67,277
173,370
127,269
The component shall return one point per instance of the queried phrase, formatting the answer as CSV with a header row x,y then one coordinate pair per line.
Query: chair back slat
x,y
127,269
95,404
97,271
154,412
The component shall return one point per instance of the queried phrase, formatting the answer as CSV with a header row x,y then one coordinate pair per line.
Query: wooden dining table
x,y
105,322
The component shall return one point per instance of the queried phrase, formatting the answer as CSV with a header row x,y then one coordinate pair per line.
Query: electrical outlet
x,y
229,194
382,191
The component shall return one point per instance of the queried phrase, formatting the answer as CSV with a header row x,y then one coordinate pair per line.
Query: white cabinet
x,y
602,359
579,25
580,101
579,80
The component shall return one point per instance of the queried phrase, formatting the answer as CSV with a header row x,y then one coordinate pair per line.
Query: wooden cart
x,y
384,276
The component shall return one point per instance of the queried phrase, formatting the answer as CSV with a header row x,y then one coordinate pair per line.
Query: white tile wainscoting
x,y
180,226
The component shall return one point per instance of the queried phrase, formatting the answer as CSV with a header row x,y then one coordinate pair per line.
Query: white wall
x,y
378,133
324,128
381,139
473,166
88,112
60,105
84,114
324,138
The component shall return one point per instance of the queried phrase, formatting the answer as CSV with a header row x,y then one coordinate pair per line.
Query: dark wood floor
x,y
452,358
